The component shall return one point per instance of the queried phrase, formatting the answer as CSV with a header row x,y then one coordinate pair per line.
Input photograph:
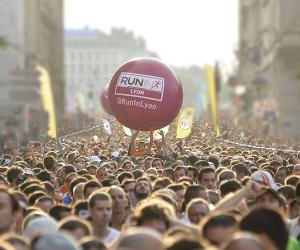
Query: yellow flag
x,y
185,121
212,97
47,99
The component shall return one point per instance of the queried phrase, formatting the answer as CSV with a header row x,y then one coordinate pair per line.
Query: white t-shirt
x,y
112,236
294,228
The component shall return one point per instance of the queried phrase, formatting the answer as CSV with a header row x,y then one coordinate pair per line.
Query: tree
x,y
3,42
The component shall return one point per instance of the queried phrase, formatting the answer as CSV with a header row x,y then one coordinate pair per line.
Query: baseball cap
x,y
265,178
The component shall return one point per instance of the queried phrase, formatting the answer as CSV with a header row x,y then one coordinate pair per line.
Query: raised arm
x,y
150,143
132,143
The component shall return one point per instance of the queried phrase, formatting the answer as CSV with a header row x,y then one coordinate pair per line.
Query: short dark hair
x,y
229,186
124,175
13,173
49,162
68,169
72,223
44,175
292,180
91,184
191,193
297,192
57,210
205,170
90,243
287,191
268,222
95,196
215,220
184,242
226,175
286,169
75,182
240,168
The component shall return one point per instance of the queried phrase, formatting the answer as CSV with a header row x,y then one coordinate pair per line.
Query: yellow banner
x,y
47,99
185,121
212,97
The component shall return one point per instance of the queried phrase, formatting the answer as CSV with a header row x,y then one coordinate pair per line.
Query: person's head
x,y
137,238
128,186
183,242
168,172
288,192
118,197
128,166
269,198
219,228
45,203
9,207
157,163
244,240
207,178
296,170
141,145
140,162
100,209
39,225
53,241
268,225
12,174
179,190
229,186
80,209
18,242
281,174
102,174
213,196
66,170
142,188
90,187
77,227
193,173
154,213
240,170
161,183
179,172
192,192
148,161
49,162
196,209
225,175
292,180
70,177
89,243
78,192
60,211
125,175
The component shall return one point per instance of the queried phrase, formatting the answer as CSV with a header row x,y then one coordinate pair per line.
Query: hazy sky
x,y
181,32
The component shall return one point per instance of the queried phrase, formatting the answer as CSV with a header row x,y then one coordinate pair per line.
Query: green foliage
x,y
3,42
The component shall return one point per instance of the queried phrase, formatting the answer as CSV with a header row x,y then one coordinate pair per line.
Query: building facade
x,y
91,58
33,34
269,65
44,44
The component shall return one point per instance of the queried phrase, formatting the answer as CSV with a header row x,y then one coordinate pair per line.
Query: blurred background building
x,y
269,65
91,58
31,33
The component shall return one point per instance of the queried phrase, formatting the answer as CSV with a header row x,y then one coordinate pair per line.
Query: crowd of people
x,y
94,191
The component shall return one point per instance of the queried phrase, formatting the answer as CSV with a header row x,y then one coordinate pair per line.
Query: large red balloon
x,y
104,100
145,94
